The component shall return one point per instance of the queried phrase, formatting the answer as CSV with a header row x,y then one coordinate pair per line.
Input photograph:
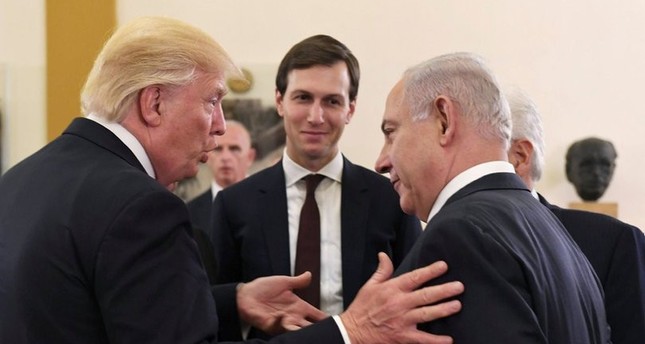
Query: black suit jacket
x,y
526,281
93,250
201,210
616,251
251,231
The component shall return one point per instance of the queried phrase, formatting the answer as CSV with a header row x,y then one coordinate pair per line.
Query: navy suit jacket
x,y
251,231
526,281
93,250
616,251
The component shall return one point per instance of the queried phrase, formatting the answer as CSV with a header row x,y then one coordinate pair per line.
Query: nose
x,y
218,123
383,164
226,153
316,113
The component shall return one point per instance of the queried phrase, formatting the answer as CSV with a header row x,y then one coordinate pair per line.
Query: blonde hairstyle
x,y
149,51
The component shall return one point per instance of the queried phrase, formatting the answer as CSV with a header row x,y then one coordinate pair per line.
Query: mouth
x,y
204,158
395,184
313,133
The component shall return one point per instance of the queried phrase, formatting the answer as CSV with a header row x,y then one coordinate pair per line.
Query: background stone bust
x,y
590,166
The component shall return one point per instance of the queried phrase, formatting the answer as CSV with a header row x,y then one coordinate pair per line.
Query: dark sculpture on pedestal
x,y
590,167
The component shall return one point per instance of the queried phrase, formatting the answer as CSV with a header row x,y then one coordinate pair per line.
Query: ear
x,y
252,154
446,112
520,155
149,103
350,114
278,103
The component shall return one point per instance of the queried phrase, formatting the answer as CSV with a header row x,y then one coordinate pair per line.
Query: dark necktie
x,y
308,249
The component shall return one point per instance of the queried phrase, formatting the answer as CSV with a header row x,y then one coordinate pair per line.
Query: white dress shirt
x,y
328,194
215,188
129,140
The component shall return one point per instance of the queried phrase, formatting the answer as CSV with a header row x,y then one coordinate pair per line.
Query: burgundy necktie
x,y
308,249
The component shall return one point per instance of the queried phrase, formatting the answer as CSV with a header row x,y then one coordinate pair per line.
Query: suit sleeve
x,y
625,288
322,332
493,281
149,282
222,235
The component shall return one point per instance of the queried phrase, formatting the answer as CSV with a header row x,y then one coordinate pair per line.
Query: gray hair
x,y
527,125
464,78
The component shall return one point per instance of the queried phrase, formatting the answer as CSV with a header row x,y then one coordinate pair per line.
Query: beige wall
x,y
582,61
22,78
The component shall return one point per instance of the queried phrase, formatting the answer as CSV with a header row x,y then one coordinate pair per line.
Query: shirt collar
x,y
294,172
128,139
535,194
466,177
215,188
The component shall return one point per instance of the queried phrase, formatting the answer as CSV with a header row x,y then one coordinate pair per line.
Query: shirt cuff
x,y
341,328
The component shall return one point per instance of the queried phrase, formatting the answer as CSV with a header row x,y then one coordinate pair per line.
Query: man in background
x,y
616,250
96,249
447,132
259,224
228,163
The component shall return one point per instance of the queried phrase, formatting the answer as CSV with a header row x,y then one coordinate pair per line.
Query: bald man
x,y
229,163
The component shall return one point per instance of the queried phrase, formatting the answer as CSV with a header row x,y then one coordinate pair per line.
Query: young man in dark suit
x,y
616,250
447,130
94,248
256,222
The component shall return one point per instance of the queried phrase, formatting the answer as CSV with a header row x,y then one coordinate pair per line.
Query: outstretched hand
x,y
388,310
269,304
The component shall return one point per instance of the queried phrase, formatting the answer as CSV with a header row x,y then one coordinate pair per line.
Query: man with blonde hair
x,y
95,249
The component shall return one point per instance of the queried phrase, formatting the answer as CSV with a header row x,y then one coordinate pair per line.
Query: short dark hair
x,y
318,50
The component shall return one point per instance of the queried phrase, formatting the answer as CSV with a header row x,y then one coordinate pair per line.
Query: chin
x,y
407,207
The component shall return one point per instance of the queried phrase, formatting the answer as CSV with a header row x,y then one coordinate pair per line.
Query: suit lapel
x,y
354,217
273,218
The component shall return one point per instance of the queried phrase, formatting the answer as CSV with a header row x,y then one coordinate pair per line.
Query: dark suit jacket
x,y
251,230
201,210
93,250
526,281
616,251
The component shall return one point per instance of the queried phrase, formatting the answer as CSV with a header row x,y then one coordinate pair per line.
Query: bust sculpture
x,y
590,166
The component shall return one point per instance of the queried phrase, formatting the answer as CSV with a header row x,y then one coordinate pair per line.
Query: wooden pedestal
x,y
607,208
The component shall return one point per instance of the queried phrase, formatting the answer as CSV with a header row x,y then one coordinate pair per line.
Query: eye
x,y
335,101
301,97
